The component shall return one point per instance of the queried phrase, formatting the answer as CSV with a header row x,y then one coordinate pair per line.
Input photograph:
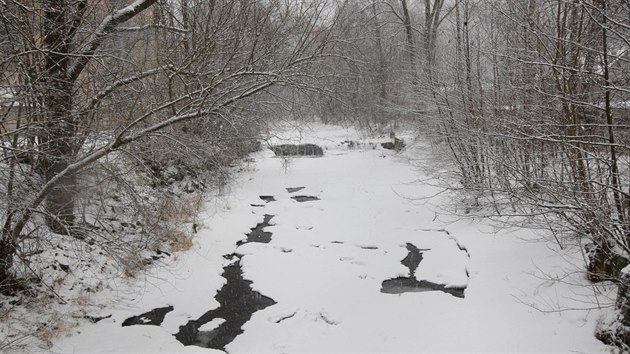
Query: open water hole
x,y
408,284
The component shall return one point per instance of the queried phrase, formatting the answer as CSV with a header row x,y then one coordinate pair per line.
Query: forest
x,y
115,116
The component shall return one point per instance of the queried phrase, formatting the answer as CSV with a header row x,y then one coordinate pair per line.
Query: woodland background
x,y
116,114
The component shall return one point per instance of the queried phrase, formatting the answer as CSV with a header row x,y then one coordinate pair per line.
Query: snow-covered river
x,y
344,253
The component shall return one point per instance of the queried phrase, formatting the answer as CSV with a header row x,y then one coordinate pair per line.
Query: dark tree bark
x,y
62,68
58,136
411,45
58,140
432,20
382,65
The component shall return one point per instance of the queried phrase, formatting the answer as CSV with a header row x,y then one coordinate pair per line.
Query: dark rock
x,y
603,263
397,144
351,144
160,252
297,150
95,319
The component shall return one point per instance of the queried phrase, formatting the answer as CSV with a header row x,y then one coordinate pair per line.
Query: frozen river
x,y
346,253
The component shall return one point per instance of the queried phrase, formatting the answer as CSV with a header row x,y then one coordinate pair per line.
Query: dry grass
x,y
175,216
180,240
174,225
180,210
132,262
59,327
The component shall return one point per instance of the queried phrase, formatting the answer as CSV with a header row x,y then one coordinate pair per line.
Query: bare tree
x,y
534,116
96,80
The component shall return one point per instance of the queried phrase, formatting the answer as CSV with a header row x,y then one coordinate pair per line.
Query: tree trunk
x,y
382,65
432,22
420,105
614,169
7,250
59,142
623,304
411,45
57,139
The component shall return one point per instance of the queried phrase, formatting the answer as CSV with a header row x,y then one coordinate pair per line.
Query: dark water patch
x,y
402,285
267,198
206,337
337,242
411,284
413,259
237,304
258,234
304,198
370,248
297,150
257,205
294,189
230,256
153,317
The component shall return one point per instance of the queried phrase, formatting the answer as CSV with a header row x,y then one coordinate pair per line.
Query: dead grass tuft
x,y
55,329
180,240
174,216
131,263
180,210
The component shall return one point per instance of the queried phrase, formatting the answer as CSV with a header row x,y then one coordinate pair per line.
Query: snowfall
x,y
325,270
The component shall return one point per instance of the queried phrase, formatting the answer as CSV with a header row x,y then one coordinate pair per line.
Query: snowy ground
x,y
328,258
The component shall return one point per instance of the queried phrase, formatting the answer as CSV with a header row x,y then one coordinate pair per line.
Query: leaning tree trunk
x,y
59,143
62,62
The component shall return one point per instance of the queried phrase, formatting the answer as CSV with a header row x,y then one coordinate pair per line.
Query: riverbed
x,y
353,251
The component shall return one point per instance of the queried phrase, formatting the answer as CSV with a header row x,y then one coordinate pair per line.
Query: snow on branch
x,y
107,26
152,26
119,83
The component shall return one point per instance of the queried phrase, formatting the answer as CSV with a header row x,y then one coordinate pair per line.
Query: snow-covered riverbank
x,y
329,259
